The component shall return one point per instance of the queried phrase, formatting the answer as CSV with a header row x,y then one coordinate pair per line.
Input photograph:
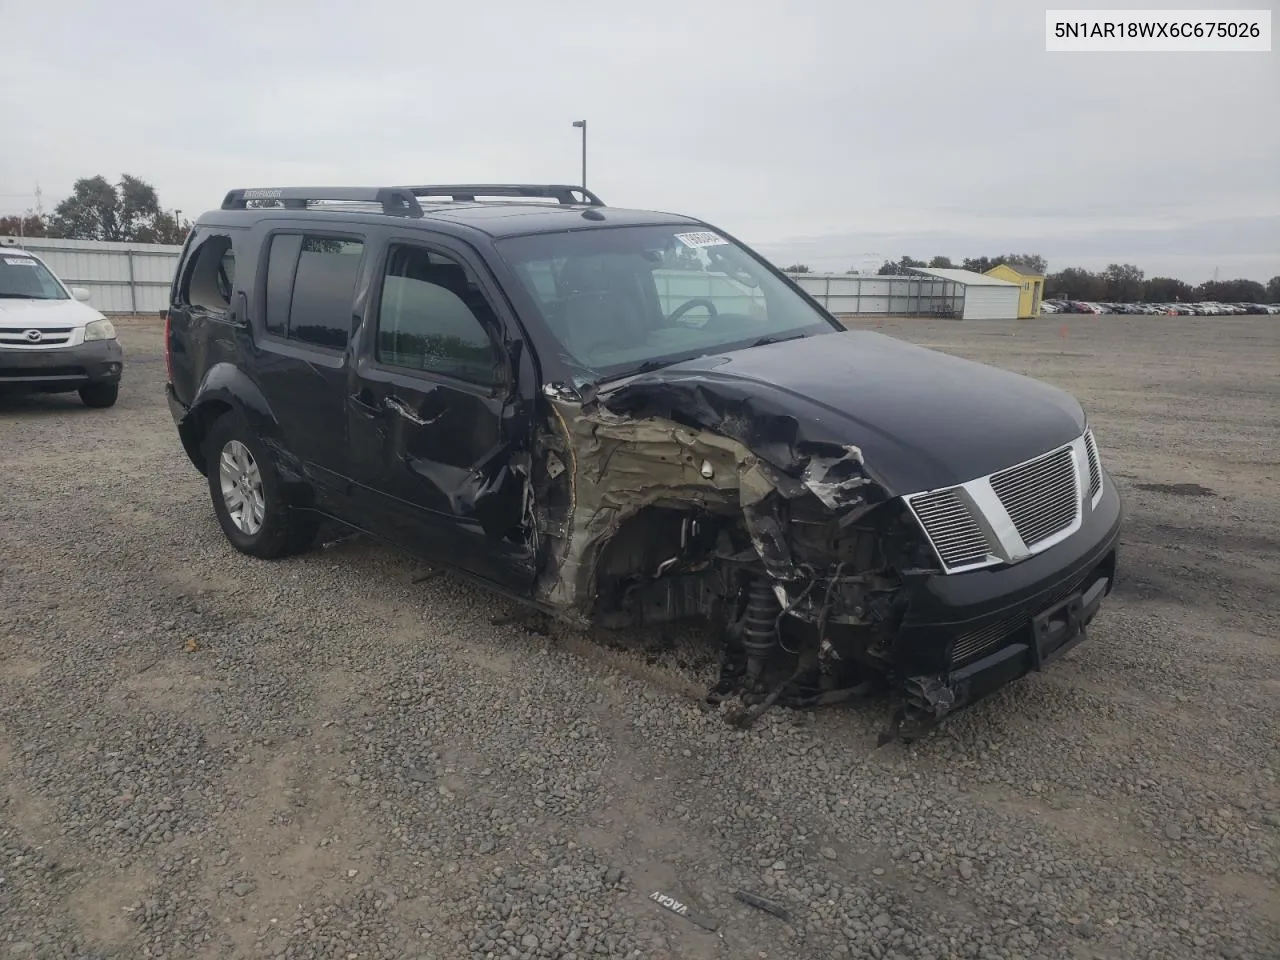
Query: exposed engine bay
x,y
788,545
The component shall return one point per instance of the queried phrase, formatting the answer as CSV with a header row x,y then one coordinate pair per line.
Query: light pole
x,y
583,125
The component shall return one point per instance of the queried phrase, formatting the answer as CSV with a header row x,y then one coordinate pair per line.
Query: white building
x,y
979,297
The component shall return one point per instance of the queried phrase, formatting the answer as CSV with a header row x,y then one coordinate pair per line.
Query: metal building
x,y
853,294
981,297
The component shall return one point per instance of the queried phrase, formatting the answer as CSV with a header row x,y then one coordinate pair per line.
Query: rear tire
x,y
248,494
99,395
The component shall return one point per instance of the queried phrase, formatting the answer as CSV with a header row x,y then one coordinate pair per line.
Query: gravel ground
x,y
202,755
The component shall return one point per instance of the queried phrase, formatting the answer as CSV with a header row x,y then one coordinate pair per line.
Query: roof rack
x,y
467,192
395,201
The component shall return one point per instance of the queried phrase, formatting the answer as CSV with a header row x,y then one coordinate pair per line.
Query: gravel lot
x,y
203,755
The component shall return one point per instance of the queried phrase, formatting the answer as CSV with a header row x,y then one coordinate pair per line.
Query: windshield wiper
x,y
649,366
21,296
765,341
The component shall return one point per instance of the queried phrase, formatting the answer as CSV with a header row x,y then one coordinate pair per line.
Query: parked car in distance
x,y
51,341
624,417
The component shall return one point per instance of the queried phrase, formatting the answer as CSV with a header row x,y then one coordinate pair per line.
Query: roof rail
x,y
395,201
564,193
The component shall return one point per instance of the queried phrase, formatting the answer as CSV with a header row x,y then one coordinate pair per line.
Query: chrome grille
x,y
1095,472
1042,497
951,527
49,337
968,645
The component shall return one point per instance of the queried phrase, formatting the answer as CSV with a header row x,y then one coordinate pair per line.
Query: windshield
x,y
25,278
624,299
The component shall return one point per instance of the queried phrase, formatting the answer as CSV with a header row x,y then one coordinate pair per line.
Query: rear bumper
x,y
189,436
61,368
972,633
177,409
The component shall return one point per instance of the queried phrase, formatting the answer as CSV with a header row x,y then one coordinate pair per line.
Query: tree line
x,y
127,211
1118,283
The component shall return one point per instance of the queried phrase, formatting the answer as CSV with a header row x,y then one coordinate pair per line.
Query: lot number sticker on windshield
x,y
703,238
19,262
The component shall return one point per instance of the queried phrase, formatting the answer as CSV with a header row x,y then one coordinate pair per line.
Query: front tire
x,y
248,495
99,395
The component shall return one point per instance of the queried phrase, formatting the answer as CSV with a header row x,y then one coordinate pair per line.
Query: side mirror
x,y
80,293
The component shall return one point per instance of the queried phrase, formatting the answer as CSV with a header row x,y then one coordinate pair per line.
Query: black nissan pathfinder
x,y
622,417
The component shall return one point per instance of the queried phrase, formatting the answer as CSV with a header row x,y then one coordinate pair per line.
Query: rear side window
x,y
311,284
282,261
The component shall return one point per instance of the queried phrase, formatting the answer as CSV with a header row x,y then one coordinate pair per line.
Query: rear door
x,y
436,431
201,333
303,326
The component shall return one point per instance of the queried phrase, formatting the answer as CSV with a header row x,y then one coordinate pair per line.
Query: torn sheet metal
x,y
803,456
619,466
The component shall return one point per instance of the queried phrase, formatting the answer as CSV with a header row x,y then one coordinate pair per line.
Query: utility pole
x,y
582,124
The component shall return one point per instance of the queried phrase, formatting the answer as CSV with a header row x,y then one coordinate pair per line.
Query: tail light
x,y
168,349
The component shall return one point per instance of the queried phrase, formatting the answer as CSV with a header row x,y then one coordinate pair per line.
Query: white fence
x,y
135,278
120,277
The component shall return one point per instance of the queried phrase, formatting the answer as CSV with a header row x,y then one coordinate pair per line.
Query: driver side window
x,y
433,317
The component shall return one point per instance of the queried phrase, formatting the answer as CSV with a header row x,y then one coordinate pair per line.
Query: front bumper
x,y
61,368
972,633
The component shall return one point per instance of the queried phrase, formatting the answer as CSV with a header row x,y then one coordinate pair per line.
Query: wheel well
x,y
196,426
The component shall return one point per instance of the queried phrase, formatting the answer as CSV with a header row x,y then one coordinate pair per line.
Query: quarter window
x,y
433,317
311,283
211,276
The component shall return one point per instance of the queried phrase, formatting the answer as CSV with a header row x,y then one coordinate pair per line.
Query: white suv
x,y
50,341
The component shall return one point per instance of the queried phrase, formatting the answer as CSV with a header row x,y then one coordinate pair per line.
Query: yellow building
x,y
1030,284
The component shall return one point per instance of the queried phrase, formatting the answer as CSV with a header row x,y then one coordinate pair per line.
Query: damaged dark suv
x,y
623,417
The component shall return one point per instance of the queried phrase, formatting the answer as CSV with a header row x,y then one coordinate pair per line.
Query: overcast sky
x,y
835,133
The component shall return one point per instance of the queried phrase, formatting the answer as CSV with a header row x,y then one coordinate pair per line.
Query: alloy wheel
x,y
241,483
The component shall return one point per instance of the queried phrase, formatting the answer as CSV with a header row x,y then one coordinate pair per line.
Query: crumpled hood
x,y
922,419
21,314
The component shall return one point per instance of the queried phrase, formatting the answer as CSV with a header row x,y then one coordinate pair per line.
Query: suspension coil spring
x,y
760,635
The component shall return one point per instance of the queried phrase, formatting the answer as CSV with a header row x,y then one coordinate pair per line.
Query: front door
x,y
437,450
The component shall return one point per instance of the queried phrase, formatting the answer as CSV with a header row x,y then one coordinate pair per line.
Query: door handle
x,y
365,401
398,406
